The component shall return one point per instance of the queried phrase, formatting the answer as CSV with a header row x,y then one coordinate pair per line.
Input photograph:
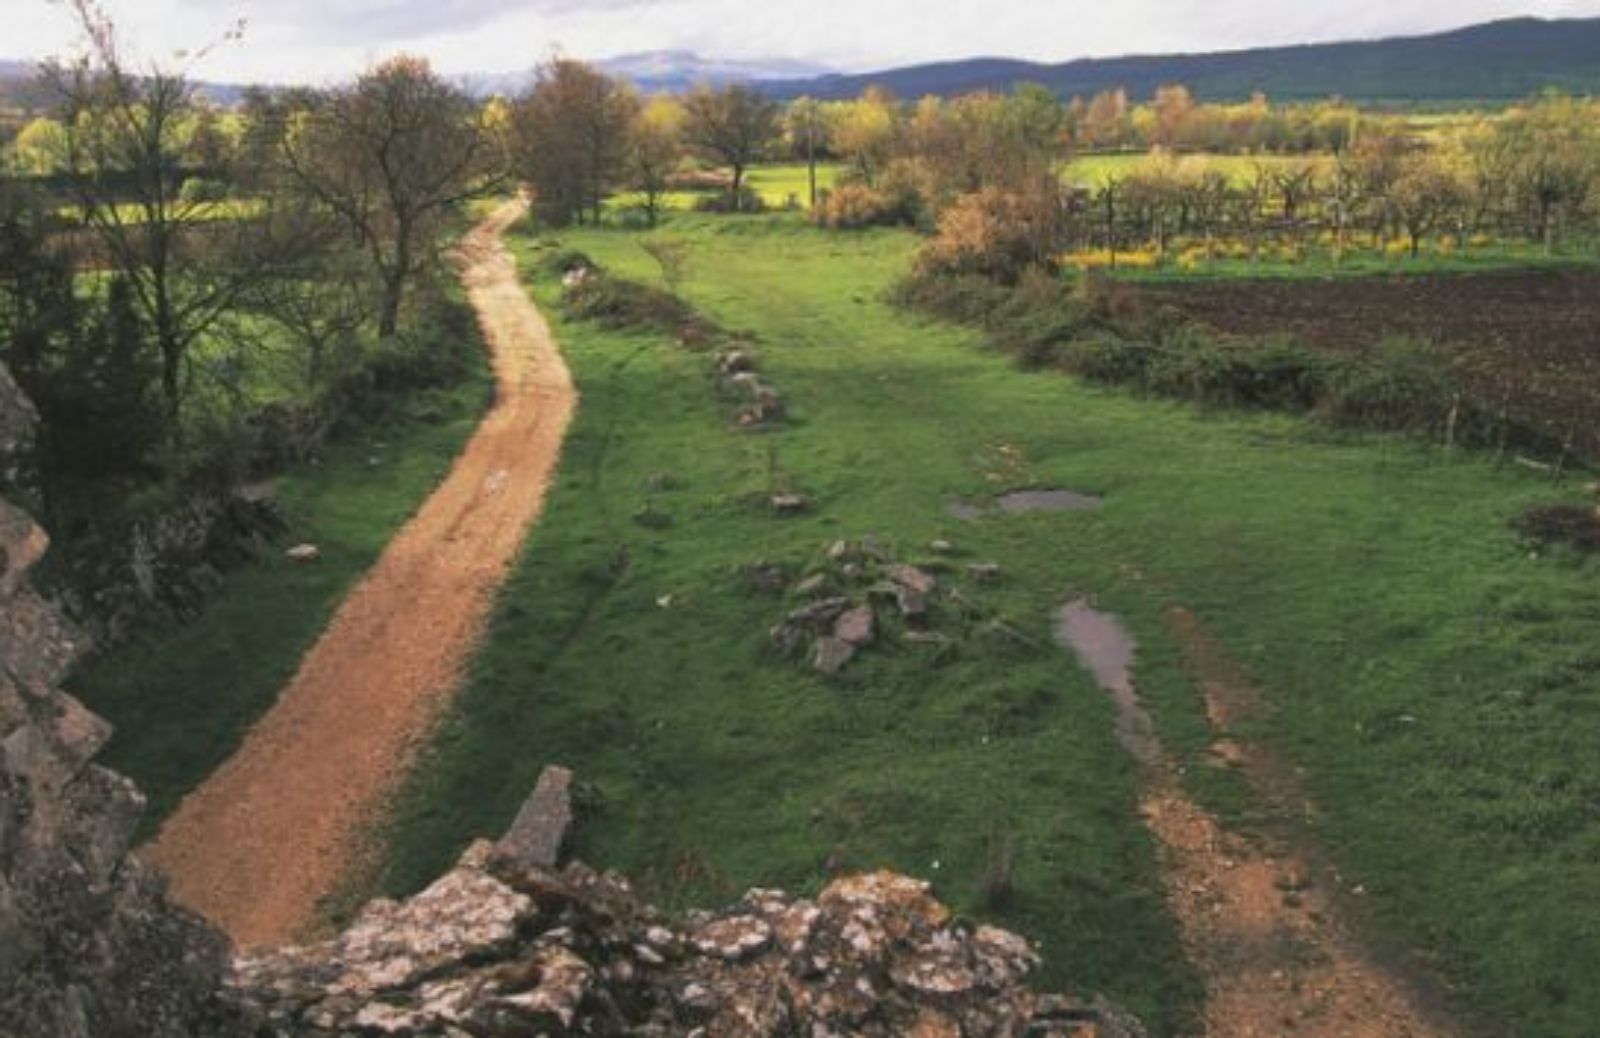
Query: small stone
x,y
303,553
536,835
734,938
855,627
941,547
813,585
788,504
912,578
830,655
985,572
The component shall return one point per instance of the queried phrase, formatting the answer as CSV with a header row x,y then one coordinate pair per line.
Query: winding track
x,y
272,831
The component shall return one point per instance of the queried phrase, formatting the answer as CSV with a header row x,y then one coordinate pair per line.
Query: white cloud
x,y
327,39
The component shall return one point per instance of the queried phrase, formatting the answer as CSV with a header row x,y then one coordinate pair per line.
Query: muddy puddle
x,y
1106,649
1019,502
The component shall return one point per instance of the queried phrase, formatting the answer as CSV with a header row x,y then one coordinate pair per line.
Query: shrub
x,y
1574,525
750,201
854,206
563,261
201,189
996,234
1401,387
617,303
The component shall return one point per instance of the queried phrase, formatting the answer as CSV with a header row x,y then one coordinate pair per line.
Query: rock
x,y
540,828
303,553
855,627
830,655
788,504
733,938
912,579
941,547
89,943
766,577
913,604
733,362
812,586
985,572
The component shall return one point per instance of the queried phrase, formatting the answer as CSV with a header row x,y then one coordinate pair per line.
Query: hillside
x,y
1494,61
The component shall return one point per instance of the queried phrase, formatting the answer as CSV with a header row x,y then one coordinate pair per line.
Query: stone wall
x,y
89,945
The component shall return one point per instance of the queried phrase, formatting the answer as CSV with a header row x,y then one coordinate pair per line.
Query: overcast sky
x,y
322,40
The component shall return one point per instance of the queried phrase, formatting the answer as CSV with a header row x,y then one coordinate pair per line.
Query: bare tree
x,y
392,156
124,149
734,125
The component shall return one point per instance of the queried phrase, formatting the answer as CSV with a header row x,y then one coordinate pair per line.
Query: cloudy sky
x,y
321,40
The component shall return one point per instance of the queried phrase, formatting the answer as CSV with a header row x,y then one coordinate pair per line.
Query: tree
x,y
572,139
864,133
1422,196
41,147
1174,107
124,145
88,366
807,126
734,126
392,155
656,147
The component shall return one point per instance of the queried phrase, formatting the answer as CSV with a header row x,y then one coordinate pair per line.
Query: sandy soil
x,y
271,833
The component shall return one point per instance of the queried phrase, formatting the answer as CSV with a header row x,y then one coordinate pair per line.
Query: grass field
x,y
1094,170
1434,678
182,696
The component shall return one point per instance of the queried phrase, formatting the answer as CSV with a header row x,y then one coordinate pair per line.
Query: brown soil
x,y
1262,915
1526,339
272,832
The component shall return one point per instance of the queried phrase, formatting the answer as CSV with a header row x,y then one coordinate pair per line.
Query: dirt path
x,y
272,831
1262,915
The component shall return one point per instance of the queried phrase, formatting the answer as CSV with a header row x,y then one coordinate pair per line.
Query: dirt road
x,y
274,829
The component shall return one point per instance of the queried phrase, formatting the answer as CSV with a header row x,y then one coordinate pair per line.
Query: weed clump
x,y
1577,526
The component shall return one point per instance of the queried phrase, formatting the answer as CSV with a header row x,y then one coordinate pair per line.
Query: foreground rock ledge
x,y
497,949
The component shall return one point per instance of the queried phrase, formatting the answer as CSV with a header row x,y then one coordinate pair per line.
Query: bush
x,y
201,189
1401,387
853,206
617,303
996,234
749,202
1574,525
563,261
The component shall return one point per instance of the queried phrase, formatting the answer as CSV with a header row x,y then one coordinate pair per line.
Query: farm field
x,y
1094,170
1530,331
1426,670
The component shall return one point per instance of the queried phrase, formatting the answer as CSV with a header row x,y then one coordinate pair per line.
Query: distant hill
x,y
1495,61
661,71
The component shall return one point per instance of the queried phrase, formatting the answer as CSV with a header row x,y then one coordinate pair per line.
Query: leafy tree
x,y
864,133
41,147
392,156
655,150
572,134
124,147
806,123
734,125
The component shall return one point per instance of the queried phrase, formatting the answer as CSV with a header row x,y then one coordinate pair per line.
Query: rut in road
x,y
273,830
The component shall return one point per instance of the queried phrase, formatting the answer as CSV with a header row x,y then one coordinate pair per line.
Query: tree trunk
x,y
735,201
394,286
811,167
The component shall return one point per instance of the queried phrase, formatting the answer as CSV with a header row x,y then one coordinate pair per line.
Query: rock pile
x,y
761,404
860,593
501,946
89,946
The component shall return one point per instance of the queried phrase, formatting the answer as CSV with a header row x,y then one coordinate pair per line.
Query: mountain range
x,y
1500,60
1495,61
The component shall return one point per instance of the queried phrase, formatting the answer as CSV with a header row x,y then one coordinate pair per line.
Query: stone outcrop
x,y
89,945
497,949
